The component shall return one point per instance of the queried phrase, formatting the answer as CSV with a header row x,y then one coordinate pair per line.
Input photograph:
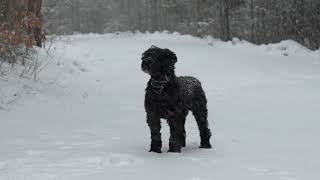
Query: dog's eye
x,y
147,59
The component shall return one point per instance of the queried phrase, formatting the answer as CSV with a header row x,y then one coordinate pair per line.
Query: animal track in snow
x,y
79,66
121,160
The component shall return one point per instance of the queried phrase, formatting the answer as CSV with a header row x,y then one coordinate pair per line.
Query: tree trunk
x,y
154,11
252,20
225,19
35,6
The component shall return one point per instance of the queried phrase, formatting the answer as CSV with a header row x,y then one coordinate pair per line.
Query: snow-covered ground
x,y
84,118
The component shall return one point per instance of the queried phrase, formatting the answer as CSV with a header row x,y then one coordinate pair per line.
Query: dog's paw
x,y
155,146
174,150
205,146
183,144
155,150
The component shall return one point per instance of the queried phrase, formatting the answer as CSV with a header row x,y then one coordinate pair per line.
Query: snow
x,y
84,118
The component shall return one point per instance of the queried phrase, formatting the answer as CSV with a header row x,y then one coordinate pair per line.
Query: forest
x,y
257,21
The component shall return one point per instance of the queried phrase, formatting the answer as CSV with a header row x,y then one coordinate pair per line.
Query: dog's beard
x,y
146,71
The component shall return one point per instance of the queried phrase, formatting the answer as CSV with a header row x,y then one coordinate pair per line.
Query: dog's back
x,y
190,89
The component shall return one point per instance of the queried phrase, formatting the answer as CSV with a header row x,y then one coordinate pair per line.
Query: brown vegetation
x,y
20,28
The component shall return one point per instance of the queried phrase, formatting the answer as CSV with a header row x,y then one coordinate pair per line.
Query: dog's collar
x,y
158,85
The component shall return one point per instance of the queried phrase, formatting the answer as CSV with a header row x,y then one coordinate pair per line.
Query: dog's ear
x,y
169,56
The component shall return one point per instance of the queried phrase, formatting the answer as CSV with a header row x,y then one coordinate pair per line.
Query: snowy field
x,y
84,118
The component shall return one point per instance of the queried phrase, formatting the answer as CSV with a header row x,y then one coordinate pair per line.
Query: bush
x,y
17,39
20,31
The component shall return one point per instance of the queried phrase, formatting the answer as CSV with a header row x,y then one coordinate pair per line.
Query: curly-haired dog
x,y
171,97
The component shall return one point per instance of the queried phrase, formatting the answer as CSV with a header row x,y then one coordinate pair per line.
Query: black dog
x,y
171,98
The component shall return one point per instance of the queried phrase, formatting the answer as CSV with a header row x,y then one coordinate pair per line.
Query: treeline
x,y
258,21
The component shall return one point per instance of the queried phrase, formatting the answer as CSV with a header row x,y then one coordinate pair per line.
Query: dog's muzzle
x,y
146,64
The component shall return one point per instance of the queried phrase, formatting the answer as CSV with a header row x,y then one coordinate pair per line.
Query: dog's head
x,y
158,61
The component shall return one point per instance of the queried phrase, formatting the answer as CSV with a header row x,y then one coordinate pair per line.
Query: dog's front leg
x,y
176,133
155,127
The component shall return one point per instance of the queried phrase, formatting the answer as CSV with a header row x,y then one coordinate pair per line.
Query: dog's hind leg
x,y
183,135
155,127
200,112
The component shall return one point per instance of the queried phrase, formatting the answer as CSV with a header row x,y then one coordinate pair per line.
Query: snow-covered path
x,y
85,118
